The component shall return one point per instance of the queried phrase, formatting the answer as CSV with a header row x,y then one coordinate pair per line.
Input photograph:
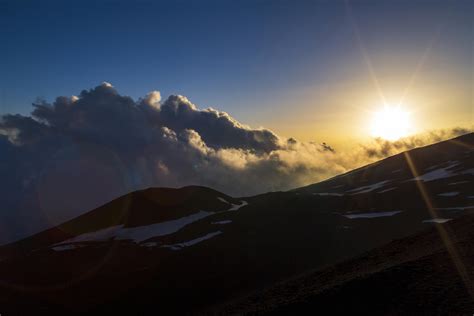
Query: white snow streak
x,y
449,194
371,214
222,222
141,233
329,194
223,200
459,182
387,190
65,247
437,220
192,242
236,207
369,188
458,208
443,173
435,175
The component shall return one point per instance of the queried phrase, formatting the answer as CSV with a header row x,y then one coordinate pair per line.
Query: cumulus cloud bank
x,y
80,152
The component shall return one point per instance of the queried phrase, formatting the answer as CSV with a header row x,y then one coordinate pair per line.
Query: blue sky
x,y
287,65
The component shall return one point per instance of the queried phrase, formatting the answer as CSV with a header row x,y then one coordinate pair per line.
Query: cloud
x,y
78,152
381,148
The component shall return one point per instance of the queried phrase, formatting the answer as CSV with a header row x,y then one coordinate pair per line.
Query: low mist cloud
x,y
381,148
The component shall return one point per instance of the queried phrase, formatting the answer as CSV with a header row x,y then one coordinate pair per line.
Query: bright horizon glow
x,y
391,123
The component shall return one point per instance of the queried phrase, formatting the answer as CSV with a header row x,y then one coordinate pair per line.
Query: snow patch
x,y
369,188
223,200
142,233
456,208
222,222
442,173
459,182
432,167
100,235
236,207
437,220
65,247
434,175
449,194
192,242
387,190
329,194
450,163
371,214
468,171
149,244
139,233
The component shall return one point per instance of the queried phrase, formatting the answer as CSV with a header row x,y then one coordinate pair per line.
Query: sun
x,y
391,123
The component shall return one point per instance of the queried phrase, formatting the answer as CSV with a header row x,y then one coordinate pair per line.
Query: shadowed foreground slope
x,y
191,250
413,275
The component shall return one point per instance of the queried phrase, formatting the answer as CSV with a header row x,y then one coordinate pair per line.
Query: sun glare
x,y
391,123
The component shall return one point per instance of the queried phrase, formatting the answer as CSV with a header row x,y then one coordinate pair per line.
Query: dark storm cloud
x,y
82,151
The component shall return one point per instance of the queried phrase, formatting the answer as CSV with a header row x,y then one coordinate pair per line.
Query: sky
x,y
314,70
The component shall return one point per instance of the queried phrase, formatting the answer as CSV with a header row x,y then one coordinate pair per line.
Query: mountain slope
x,y
185,250
140,208
413,275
